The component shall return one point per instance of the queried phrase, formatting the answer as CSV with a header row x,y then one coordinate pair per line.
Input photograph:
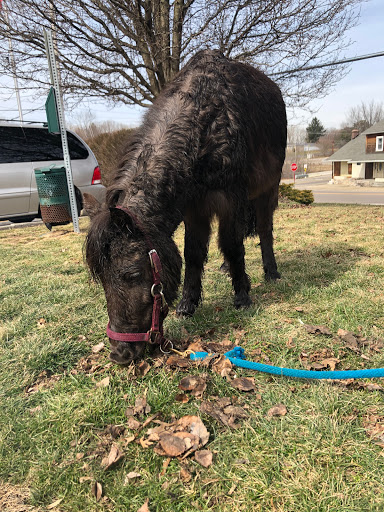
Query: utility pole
x,y
12,62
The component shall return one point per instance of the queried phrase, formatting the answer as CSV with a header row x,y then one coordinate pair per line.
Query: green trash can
x,y
52,188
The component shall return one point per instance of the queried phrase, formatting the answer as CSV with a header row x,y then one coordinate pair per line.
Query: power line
x,y
334,63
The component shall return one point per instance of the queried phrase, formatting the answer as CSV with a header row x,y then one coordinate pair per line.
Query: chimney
x,y
355,133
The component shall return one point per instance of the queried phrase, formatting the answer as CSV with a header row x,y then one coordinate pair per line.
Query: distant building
x,y
362,157
308,150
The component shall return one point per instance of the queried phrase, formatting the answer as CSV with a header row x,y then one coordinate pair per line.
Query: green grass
x,y
317,458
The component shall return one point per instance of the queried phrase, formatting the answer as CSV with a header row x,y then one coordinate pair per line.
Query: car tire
x,y
19,220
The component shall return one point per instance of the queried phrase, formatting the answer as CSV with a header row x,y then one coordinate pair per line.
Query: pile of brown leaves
x,y
325,358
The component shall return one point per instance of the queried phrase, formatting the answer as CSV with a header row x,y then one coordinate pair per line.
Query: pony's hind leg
x,y
231,236
265,206
197,232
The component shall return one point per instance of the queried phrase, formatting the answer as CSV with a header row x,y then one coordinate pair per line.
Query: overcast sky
x,y
365,82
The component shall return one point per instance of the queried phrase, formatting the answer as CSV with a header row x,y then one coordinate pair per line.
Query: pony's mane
x,y
97,244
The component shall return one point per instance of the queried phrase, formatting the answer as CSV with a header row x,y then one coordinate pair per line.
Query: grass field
x,y
58,397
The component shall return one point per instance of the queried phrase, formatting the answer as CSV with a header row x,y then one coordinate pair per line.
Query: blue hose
x,y
237,357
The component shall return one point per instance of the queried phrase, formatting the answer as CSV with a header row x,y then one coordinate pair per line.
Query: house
x,y
362,157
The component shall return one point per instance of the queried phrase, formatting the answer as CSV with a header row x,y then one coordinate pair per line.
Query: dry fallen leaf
x,y
182,397
83,479
115,430
165,466
196,385
180,362
223,411
331,362
141,406
103,383
318,329
115,455
195,426
277,410
185,475
146,443
54,504
196,346
128,440
290,343
133,424
142,369
204,458
97,490
132,475
98,348
144,508
180,438
172,445
244,383
188,383
221,364
350,340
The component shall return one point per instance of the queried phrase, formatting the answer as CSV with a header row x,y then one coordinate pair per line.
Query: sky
x,y
364,82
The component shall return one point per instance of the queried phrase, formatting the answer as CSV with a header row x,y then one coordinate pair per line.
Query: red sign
x,y
293,167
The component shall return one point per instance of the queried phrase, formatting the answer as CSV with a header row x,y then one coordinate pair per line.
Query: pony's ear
x,y
91,205
122,219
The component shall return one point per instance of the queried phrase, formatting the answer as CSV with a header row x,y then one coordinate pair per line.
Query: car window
x,y
18,144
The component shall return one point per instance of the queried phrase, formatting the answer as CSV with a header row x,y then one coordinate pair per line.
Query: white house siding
x,y
378,170
358,171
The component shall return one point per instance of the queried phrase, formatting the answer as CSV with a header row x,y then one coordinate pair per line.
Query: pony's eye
x,y
131,275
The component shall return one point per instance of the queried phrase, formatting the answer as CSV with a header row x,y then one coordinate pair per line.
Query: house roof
x,y
354,150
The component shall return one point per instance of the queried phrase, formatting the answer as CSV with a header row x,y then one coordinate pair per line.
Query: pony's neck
x,y
157,216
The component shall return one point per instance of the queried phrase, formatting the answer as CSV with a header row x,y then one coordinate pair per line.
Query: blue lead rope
x,y
237,357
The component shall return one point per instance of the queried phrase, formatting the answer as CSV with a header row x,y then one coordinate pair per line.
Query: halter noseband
x,y
160,307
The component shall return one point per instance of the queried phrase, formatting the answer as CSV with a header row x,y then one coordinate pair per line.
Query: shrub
x,y
109,149
299,196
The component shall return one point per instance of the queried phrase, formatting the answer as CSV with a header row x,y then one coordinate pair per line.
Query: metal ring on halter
x,y
153,289
169,342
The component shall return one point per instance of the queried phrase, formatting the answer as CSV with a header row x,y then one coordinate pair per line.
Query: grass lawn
x,y
58,397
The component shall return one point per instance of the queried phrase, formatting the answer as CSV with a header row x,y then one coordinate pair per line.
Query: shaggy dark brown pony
x,y
213,143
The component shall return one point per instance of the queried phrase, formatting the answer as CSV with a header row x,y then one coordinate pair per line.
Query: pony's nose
x,y
124,353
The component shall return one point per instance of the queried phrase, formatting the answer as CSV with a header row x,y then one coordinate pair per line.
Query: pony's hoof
x,y
185,308
242,300
272,275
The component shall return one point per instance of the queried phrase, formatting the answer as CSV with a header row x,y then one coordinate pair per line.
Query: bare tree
x,y
365,115
84,124
127,50
296,134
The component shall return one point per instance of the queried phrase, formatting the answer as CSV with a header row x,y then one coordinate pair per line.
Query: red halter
x,y
160,307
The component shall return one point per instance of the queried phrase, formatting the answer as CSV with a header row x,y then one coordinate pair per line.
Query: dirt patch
x,y
14,498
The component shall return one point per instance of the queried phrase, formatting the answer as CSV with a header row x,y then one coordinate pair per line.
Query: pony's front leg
x,y
197,232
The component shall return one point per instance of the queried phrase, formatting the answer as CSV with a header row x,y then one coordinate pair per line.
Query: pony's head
x,y
116,252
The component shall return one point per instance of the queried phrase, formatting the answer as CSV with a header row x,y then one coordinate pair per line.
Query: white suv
x,y
28,147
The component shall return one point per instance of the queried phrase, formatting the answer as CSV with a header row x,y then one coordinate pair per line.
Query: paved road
x,y
324,192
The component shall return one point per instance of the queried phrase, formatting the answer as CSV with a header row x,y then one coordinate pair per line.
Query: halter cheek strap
x,y
160,307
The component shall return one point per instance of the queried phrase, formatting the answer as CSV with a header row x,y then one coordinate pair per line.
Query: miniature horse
x,y
212,143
